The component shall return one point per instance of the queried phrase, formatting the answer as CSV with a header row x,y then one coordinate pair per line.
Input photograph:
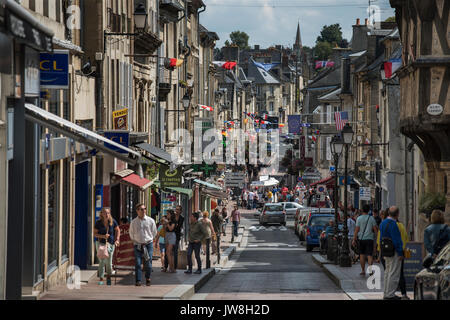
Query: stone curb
x,y
186,290
333,273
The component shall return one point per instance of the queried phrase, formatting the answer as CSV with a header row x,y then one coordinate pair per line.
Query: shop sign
x,y
122,138
342,180
120,119
24,31
169,178
124,255
366,168
435,109
365,194
303,148
55,69
413,265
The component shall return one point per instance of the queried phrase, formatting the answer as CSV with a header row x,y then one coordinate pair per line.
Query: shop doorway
x,y
82,216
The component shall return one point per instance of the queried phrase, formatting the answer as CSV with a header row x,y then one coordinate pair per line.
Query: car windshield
x,y
320,221
273,208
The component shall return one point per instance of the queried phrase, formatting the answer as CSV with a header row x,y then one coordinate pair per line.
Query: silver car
x,y
291,207
273,213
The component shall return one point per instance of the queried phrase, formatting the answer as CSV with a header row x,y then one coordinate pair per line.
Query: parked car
x,y
304,215
291,207
433,282
273,213
314,227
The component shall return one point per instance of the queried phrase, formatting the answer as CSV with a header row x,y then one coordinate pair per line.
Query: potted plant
x,y
432,201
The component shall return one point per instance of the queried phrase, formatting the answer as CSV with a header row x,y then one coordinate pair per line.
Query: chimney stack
x,y
358,22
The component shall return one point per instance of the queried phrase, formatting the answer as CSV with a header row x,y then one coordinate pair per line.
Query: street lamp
x,y
186,101
337,144
344,257
140,19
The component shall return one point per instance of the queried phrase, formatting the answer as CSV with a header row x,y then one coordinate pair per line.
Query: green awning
x,y
208,185
187,192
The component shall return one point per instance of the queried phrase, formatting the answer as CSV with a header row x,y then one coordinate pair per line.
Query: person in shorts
x,y
365,231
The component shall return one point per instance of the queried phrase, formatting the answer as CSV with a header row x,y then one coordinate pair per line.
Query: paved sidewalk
x,y
357,287
178,286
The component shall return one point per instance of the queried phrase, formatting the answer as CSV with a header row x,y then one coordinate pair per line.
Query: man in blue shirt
x,y
389,229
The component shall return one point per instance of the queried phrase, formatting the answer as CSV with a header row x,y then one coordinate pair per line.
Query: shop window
x,y
53,234
66,105
40,230
54,106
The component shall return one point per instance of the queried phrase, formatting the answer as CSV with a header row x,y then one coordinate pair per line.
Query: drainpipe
x,y
199,93
159,135
188,115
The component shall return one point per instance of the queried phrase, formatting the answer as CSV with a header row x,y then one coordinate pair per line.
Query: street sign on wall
x,y
365,194
168,178
120,119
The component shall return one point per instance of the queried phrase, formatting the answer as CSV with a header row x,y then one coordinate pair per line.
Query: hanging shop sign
x,y
55,69
31,36
170,178
365,194
435,109
120,119
366,168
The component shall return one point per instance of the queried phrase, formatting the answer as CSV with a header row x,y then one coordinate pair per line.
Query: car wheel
x,y
302,237
309,248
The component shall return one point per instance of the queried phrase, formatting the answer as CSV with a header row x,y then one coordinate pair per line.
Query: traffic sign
x,y
321,189
365,194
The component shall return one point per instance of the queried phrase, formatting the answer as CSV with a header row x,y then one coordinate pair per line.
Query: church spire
x,y
298,39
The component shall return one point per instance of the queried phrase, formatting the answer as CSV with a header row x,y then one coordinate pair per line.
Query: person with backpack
x,y
437,234
391,245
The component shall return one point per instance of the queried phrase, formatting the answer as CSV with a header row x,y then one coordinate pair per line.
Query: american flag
x,y
341,119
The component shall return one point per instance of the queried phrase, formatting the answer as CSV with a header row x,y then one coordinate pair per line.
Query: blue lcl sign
x,y
55,70
122,138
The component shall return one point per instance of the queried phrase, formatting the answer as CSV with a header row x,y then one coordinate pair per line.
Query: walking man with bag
x,y
364,236
392,252
142,232
197,234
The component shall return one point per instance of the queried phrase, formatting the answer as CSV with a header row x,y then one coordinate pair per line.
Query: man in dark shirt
x,y
197,234
178,229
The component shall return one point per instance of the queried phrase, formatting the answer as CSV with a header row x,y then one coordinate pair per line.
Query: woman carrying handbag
x,y
107,233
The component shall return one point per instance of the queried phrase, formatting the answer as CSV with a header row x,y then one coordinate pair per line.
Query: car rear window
x,y
320,221
273,208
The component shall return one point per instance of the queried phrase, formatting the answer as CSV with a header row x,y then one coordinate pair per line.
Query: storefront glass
x,y
53,195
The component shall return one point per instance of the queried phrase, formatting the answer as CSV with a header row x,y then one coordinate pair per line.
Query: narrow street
x,y
270,265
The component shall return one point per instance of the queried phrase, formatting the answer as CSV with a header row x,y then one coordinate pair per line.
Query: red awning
x,y
329,182
137,181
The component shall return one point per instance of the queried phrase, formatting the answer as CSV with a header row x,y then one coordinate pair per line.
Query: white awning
x,y
78,133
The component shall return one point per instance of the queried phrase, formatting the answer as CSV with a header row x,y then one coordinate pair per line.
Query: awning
x,y
327,181
157,154
78,133
137,181
216,194
208,185
187,192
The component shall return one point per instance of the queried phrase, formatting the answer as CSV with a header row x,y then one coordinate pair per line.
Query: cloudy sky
x,y
271,22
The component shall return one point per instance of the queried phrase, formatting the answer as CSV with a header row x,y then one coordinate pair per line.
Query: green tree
x,y
390,19
323,50
240,38
331,34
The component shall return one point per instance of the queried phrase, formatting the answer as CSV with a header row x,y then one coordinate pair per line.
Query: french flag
x,y
391,67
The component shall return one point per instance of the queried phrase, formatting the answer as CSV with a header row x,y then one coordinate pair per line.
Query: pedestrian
x,y
269,196
437,234
236,219
217,222
142,232
226,219
159,241
377,217
170,240
107,232
196,235
251,197
179,223
207,224
392,251
365,232
384,214
351,226
245,199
